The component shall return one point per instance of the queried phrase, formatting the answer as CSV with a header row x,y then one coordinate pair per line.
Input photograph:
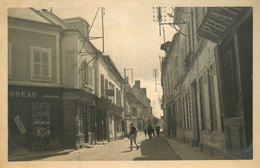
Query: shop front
x,y
31,111
234,68
79,118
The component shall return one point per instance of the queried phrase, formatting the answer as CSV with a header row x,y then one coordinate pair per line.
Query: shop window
x,y
41,69
40,119
10,54
88,74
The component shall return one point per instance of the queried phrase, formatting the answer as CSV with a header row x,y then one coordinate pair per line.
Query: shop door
x,y
174,121
85,126
231,95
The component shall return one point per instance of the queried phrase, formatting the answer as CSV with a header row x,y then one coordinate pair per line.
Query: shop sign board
x,y
219,21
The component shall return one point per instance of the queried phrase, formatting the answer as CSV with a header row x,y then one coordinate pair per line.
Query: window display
x,y
40,119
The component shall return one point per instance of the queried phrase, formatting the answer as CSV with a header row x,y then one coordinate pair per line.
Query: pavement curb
x,y
32,156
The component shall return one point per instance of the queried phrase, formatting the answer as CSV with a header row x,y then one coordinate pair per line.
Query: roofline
x,y
112,65
38,12
69,26
36,22
77,18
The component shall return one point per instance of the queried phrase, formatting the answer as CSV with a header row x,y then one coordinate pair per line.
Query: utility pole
x,y
103,32
163,35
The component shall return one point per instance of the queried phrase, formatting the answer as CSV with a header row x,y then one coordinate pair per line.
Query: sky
x,y
132,40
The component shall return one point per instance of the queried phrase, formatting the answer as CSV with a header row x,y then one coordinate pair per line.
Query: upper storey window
x,y
41,64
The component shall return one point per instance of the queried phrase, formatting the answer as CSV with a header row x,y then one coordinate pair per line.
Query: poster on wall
x,y
19,124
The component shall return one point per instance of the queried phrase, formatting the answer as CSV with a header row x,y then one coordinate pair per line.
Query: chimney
x,y
127,79
137,83
144,91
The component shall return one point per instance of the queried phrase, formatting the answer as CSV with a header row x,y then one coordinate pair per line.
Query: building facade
x,y
34,81
139,110
206,102
58,81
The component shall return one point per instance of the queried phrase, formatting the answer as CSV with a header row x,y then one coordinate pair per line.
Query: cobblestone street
x,y
150,149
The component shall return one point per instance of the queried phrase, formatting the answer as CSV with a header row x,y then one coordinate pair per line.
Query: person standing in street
x,y
133,135
145,132
157,130
150,130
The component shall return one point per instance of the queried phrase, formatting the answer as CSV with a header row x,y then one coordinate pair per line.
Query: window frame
x,y
86,72
41,77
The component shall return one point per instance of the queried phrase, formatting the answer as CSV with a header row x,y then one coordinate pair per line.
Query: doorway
x,y
195,112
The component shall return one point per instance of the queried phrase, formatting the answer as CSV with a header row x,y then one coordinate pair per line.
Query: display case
x,y
40,119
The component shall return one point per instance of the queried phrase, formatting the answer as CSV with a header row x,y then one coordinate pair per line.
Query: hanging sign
x,y
218,22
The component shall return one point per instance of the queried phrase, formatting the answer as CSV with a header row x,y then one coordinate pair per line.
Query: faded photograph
x,y
130,84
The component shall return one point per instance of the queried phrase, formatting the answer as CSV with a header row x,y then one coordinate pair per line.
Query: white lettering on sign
x,y
226,19
212,23
30,94
209,29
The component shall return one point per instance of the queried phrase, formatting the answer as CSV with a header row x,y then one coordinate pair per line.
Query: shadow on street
x,y
156,148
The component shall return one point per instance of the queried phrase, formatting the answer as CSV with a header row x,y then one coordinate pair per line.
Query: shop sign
x,y
218,22
25,94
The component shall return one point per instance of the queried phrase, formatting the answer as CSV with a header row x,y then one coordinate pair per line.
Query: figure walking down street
x,y
133,135
145,132
157,130
153,128
150,130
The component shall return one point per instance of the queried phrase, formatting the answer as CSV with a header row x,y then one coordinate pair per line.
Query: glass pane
x,y
45,70
45,57
36,56
36,69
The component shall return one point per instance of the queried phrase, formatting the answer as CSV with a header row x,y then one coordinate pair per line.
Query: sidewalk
x,y
186,152
26,156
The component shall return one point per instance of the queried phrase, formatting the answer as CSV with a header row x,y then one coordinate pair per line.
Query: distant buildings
x,y
207,80
60,83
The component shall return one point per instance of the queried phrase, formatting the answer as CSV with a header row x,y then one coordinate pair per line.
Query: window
x,y
88,74
40,119
10,53
187,111
41,64
212,100
106,86
112,88
118,97
202,109
102,85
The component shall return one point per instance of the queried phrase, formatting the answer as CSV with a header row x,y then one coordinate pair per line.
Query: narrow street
x,y
150,149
